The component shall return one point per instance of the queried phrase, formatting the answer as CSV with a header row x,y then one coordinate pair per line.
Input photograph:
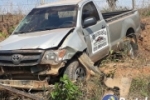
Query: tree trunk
x,y
112,4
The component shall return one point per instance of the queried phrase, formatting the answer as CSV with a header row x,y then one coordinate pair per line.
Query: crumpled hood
x,y
42,40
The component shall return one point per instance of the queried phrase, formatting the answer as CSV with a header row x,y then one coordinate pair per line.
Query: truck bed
x,y
111,16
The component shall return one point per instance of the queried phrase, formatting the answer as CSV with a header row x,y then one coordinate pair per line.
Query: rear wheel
x,y
76,71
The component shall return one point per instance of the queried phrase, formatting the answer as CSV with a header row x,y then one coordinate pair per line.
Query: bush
x,y
65,90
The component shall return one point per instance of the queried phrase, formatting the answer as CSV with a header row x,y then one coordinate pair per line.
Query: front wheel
x,y
76,71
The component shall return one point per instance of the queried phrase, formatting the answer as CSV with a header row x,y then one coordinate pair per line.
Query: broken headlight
x,y
53,57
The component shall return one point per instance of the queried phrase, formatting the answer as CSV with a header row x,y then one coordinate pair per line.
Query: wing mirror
x,y
89,22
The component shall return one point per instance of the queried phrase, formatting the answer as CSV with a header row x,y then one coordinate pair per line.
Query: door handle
x,y
103,26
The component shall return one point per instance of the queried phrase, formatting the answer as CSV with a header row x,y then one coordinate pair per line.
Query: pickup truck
x,y
65,37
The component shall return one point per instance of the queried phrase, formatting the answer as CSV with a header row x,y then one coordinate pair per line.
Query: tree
x,y
42,2
112,4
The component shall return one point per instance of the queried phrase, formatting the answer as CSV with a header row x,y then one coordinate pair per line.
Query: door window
x,y
89,10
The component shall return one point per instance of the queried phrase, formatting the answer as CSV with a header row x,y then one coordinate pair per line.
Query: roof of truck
x,y
60,2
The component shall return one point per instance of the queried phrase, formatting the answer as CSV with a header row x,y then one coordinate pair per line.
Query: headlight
x,y
50,55
53,57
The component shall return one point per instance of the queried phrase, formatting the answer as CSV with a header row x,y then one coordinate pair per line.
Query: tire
x,y
75,71
131,47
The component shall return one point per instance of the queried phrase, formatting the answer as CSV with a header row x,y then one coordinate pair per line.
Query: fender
x,y
129,23
73,43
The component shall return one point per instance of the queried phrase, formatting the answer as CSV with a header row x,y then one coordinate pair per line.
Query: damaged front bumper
x,y
27,69
27,84
38,79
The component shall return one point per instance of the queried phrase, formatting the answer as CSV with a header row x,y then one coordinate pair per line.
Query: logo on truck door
x,y
99,40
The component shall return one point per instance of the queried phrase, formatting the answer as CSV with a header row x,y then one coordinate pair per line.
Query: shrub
x,y
65,90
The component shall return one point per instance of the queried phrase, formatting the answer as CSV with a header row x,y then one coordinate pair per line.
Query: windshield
x,y
41,19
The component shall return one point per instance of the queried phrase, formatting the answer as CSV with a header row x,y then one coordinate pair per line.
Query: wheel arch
x,y
128,27
130,32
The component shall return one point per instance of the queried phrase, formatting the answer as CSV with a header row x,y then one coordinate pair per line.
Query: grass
x,y
92,89
140,88
3,35
144,12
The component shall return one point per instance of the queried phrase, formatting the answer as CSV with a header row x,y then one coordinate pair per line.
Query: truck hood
x,y
41,40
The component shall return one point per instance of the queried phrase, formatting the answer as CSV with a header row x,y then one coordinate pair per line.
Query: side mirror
x,y
89,21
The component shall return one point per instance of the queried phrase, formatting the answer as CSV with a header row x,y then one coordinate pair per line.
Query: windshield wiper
x,y
51,28
21,32
18,32
48,28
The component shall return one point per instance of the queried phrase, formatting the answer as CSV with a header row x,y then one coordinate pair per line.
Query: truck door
x,y
96,35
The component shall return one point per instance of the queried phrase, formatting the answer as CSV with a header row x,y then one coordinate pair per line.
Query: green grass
x,y
65,90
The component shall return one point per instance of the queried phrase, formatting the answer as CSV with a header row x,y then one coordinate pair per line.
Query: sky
x,y
27,5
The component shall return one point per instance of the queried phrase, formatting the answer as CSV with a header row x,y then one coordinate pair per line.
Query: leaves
x,y
65,90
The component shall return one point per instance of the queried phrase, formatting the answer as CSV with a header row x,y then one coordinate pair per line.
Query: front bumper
x,y
27,73
27,84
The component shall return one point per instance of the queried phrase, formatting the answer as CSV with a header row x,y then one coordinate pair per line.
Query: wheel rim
x,y
80,73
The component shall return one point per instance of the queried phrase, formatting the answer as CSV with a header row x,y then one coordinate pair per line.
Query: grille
x,y
28,57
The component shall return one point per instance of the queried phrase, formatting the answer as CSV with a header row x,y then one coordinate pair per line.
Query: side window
x,y
89,10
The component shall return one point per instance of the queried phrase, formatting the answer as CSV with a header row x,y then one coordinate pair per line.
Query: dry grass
x,y
8,23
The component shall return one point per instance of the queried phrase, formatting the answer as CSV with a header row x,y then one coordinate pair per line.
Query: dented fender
x,y
74,43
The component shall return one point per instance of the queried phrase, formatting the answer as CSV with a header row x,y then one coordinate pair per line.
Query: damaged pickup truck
x,y
65,37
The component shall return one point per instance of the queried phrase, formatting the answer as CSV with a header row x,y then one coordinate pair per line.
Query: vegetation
x,y
140,88
8,23
144,12
65,90
112,3
3,35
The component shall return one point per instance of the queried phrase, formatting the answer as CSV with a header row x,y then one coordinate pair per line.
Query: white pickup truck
x,y
65,37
